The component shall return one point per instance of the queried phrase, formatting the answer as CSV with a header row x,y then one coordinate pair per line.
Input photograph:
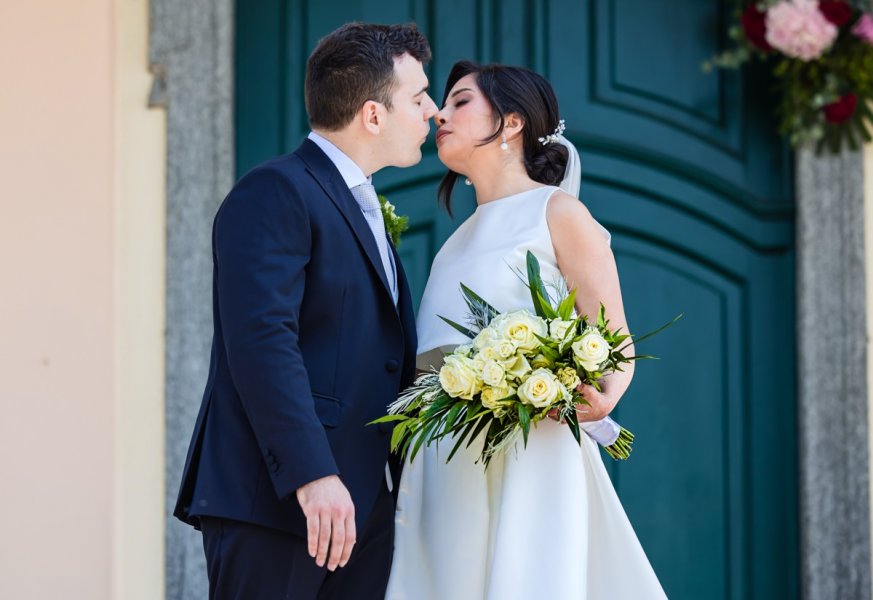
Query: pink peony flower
x,y
863,29
799,30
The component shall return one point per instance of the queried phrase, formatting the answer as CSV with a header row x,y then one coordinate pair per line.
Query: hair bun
x,y
549,164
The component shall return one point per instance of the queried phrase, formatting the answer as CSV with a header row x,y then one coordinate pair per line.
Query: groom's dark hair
x,y
353,64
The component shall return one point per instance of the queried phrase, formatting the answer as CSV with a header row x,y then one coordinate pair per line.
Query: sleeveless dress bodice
x,y
487,253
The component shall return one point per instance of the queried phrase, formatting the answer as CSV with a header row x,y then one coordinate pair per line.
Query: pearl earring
x,y
504,146
467,181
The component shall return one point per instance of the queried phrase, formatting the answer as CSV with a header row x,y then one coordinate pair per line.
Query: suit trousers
x,y
250,562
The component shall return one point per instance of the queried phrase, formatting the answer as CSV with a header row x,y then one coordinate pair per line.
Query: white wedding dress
x,y
543,522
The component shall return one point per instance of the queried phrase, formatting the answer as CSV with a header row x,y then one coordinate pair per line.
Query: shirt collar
x,y
351,173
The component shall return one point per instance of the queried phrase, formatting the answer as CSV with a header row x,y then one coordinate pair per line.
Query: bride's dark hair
x,y
516,90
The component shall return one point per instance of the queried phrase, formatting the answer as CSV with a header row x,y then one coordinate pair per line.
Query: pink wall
x,y
56,299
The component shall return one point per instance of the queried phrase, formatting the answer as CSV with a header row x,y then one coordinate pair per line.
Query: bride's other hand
x,y
600,403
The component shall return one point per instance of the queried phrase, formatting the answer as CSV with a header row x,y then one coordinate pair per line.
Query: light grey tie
x,y
367,199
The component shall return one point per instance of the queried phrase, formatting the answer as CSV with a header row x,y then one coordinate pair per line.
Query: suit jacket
x,y
308,348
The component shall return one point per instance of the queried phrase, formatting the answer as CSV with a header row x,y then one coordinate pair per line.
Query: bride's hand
x,y
600,404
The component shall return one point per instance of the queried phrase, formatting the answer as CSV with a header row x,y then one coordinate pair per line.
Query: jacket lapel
x,y
407,319
328,177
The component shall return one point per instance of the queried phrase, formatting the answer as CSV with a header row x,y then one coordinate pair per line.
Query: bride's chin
x,y
448,162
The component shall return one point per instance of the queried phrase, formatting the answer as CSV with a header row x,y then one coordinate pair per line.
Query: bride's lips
x,y
441,133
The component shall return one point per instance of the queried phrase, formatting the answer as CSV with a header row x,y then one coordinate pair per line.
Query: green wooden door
x,y
685,170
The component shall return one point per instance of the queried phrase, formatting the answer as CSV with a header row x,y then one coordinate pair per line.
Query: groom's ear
x,y
512,125
372,117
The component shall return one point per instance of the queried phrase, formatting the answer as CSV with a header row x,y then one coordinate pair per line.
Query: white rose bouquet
x,y
518,368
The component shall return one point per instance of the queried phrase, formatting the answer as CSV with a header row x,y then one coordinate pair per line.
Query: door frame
x,y
191,55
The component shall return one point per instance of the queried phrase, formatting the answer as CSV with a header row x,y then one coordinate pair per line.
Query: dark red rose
x,y
841,110
755,26
836,11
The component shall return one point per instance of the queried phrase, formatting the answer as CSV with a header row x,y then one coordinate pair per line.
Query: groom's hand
x,y
330,520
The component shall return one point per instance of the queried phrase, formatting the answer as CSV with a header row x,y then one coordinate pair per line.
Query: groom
x,y
314,337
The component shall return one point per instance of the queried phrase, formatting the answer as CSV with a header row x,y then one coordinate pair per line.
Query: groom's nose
x,y
430,109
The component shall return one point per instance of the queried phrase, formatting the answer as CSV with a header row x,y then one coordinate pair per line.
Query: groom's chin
x,y
410,160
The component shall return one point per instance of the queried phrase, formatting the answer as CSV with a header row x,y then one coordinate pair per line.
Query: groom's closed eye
x,y
419,97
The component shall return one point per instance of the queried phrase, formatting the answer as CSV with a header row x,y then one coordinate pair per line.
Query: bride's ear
x,y
512,125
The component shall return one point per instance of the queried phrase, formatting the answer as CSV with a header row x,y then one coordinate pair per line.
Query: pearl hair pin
x,y
553,137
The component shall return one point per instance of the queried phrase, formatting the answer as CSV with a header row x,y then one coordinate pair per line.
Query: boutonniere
x,y
395,224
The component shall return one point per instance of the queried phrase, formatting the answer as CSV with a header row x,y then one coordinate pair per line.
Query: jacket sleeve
x,y
262,242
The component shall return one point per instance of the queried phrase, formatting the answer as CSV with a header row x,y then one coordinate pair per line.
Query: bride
x,y
542,521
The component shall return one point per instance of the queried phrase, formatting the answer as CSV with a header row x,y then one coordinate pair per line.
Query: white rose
x,y
502,352
486,337
483,357
522,328
541,389
493,373
558,329
490,353
458,377
504,348
591,350
518,368
491,396
464,349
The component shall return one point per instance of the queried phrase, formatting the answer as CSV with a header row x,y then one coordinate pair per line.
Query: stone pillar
x,y
191,52
832,377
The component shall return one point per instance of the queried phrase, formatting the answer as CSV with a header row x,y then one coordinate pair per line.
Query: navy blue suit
x,y
308,348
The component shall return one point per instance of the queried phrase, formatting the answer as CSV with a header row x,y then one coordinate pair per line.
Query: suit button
x,y
392,365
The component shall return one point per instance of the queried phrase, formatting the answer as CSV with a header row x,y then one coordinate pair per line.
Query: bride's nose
x,y
439,119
